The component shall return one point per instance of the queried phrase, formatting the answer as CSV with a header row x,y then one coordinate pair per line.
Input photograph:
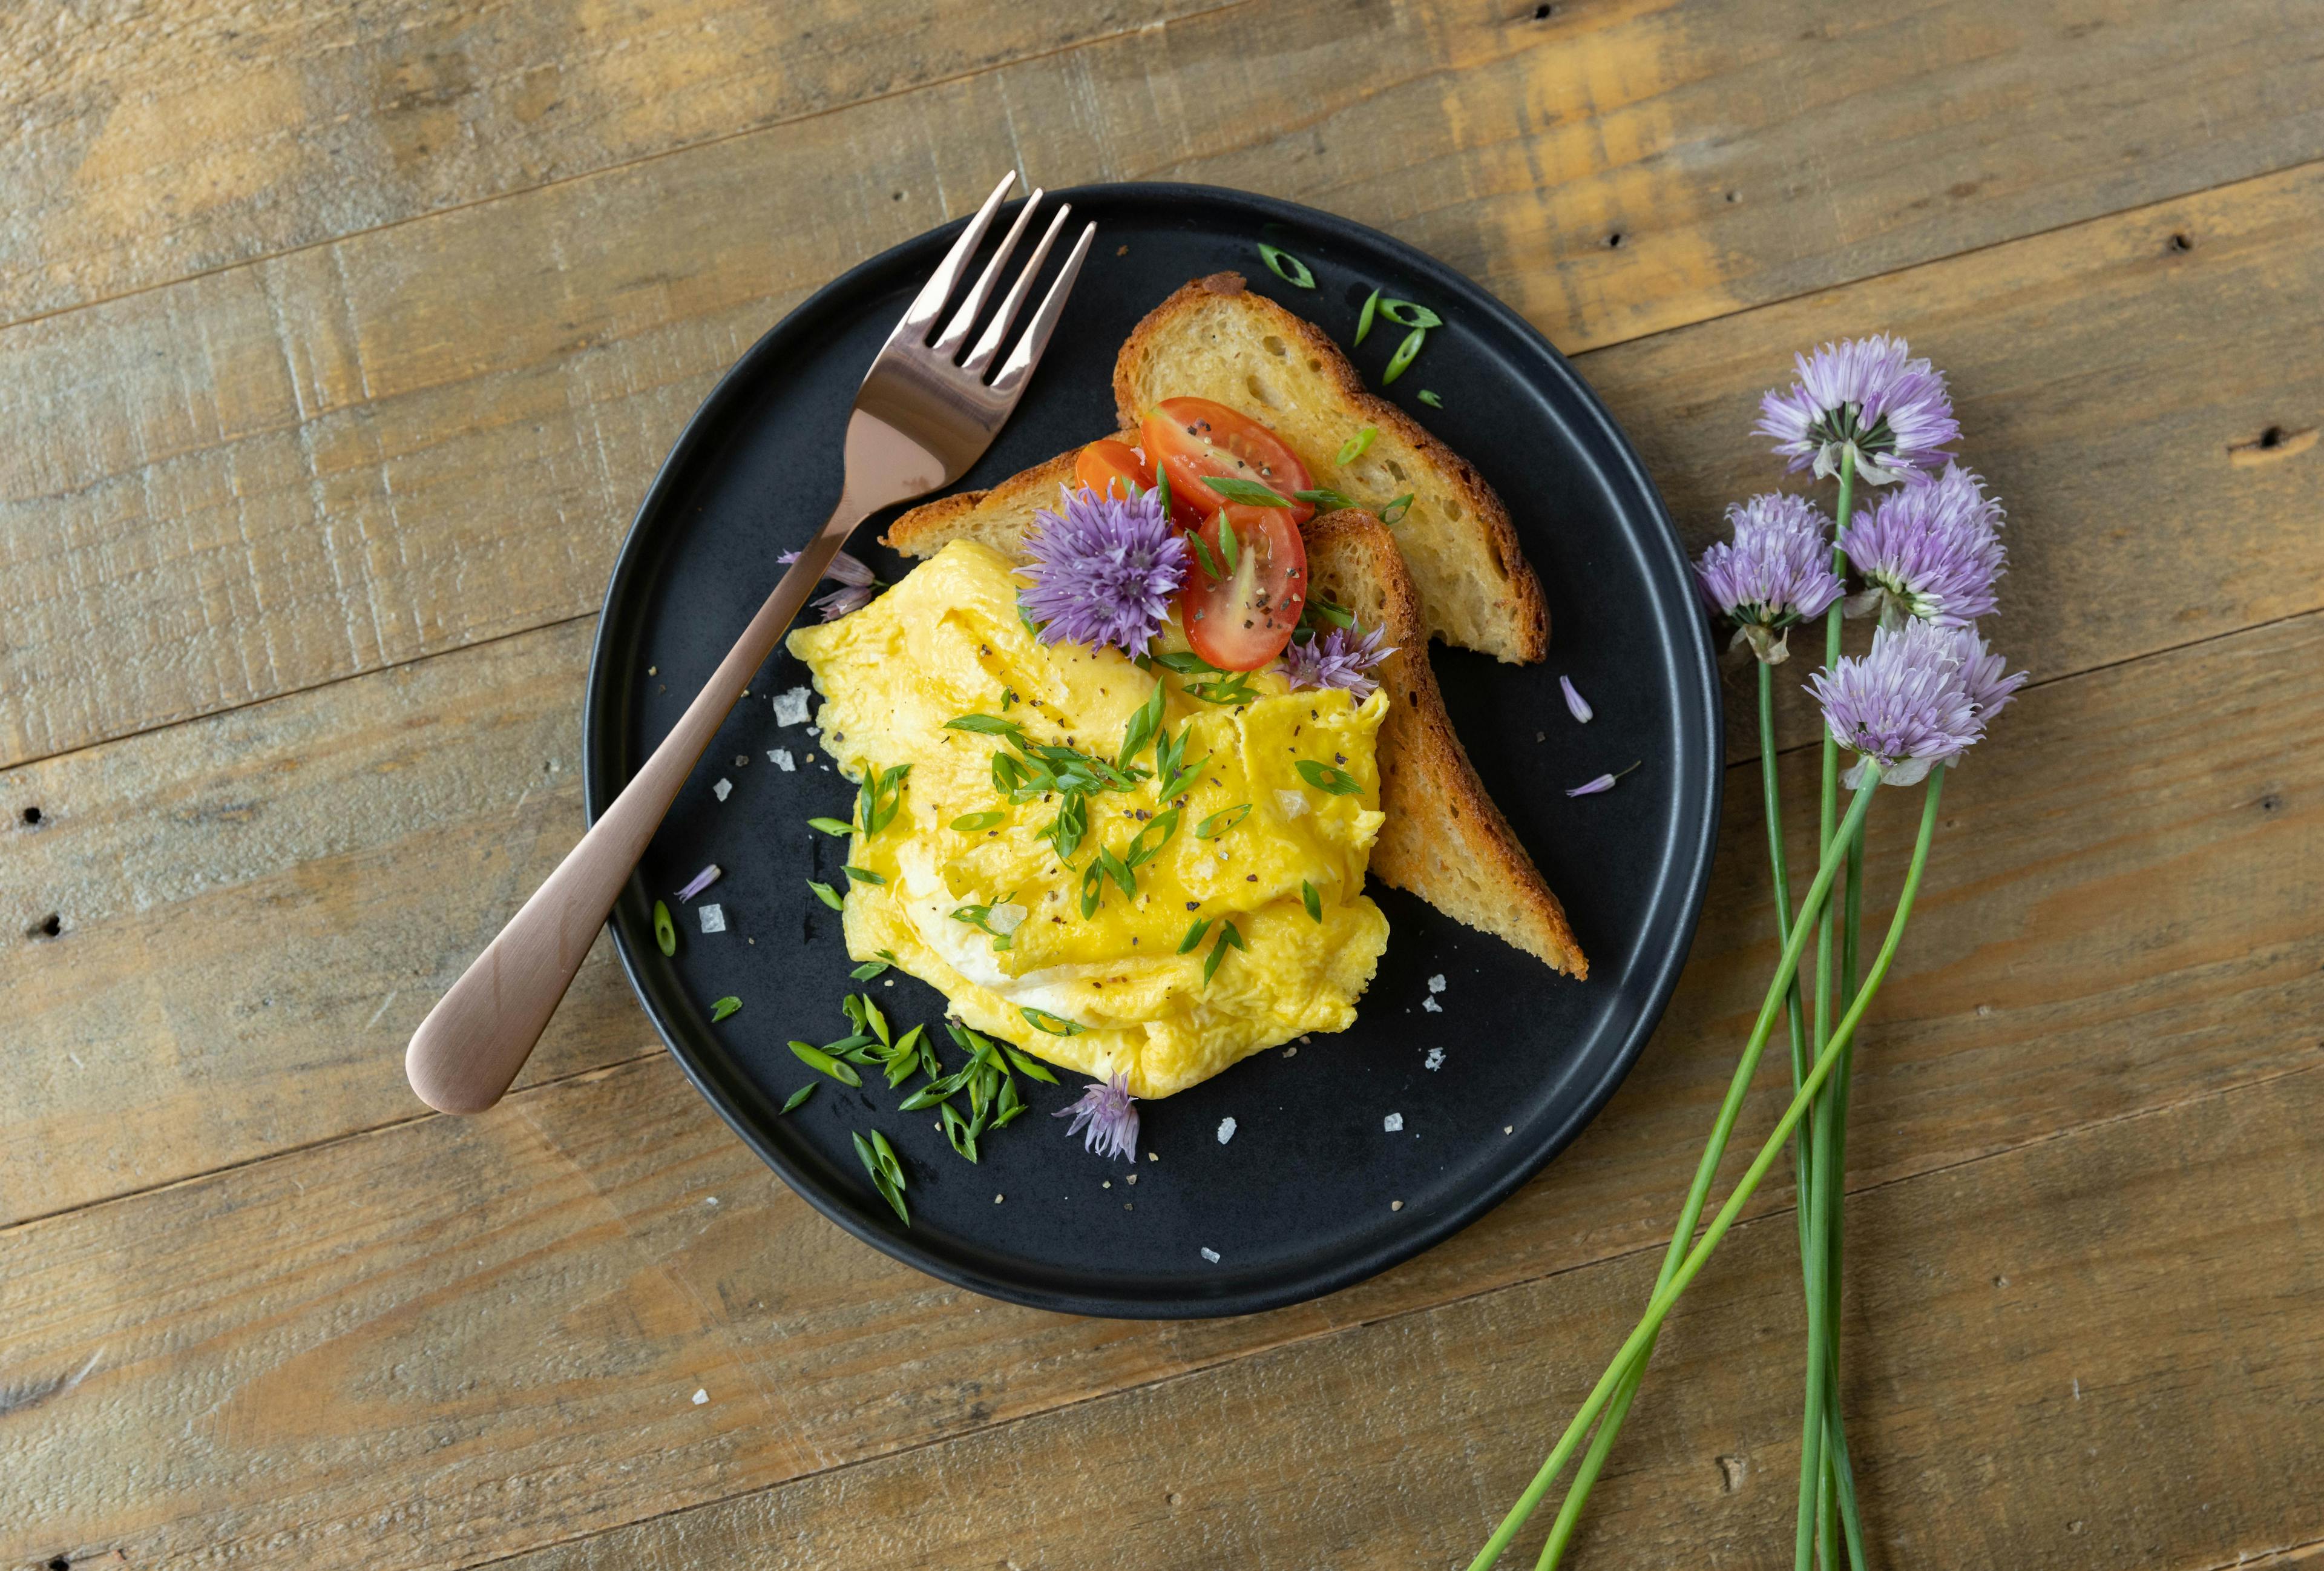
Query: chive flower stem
x,y
1706,1172
1666,1294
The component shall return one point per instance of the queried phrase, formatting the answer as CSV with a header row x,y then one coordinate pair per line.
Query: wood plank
x,y
529,1299
162,140
368,451
2085,1354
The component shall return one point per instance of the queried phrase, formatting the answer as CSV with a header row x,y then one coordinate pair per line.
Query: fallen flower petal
x,y
1575,704
1604,783
699,881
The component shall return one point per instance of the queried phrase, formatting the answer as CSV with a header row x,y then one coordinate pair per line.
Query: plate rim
x,y
1695,854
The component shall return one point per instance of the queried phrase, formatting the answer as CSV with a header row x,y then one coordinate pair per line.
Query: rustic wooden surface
x,y
339,345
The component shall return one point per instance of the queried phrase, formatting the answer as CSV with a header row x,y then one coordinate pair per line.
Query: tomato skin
x,y
1188,438
1241,620
1107,466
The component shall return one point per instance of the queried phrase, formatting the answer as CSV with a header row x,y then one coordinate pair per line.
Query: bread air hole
x,y
1452,508
1262,393
1276,346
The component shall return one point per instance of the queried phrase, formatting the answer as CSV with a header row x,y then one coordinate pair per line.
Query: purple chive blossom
x,y
1575,704
1104,568
1110,1113
1604,783
1337,658
1774,572
1989,691
1931,550
1865,396
699,881
1906,705
857,586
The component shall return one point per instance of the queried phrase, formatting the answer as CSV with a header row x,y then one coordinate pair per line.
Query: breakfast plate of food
x,y
1222,847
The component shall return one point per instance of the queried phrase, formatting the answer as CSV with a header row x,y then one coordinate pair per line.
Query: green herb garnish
x,y
1325,777
1043,1021
1228,547
980,917
1161,825
1193,935
1143,726
1404,313
1329,500
988,725
1220,822
798,1097
1323,608
724,1007
665,930
1311,899
863,875
1249,493
1364,317
969,823
1065,830
1209,563
1403,355
827,895
881,797
815,1058
1226,687
832,826
1171,769
1228,934
1430,399
879,1158
1393,513
870,968
1029,1064
1287,267
1356,445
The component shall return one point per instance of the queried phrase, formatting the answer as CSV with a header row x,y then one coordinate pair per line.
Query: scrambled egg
x,y
967,890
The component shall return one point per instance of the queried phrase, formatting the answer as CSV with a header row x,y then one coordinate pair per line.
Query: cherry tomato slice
x,y
1108,467
1190,438
1240,618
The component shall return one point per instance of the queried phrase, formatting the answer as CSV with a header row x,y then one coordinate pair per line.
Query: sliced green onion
x,y
1364,317
1220,822
1355,446
1287,267
1210,564
1227,547
1430,399
957,1131
665,930
986,725
1249,493
1393,513
1311,899
1228,934
724,1007
1030,1064
1404,313
969,823
1403,355
1143,724
863,875
798,1097
832,826
870,968
815,1058
1324,498
1194,936
1042,1020
827,895
1325,777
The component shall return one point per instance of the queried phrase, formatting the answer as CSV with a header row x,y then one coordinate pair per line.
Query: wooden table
x,y
341,343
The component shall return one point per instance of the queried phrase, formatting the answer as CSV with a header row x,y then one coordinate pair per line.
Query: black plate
x,y
1301,1201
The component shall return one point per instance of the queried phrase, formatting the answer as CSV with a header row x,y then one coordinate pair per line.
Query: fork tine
x,y
1027,352
957,334
996,329
928,304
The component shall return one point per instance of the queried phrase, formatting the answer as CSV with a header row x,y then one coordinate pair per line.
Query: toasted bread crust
x,y
1444,839
1518,629
997,516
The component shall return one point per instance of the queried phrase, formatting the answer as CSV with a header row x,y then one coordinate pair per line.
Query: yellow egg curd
x,y
1251,870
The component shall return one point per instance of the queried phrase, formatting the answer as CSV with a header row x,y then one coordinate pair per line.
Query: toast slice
x,y
1215,339
1444,840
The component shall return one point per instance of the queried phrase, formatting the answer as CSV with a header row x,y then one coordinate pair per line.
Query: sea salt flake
x,y
1226,1130
1392,1123
1436,983
790,709
723,789
714,918
700,1396
1431,1006
1211,1254
1292,804
1435,1060
1396,1205
780,757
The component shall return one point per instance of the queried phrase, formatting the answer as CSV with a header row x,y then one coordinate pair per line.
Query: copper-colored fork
x,y
922,417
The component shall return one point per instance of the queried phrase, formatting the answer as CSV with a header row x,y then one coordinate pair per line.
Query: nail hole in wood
x,y
1615,240
1543,12
48,926
2180,243
2270,803
31,815
61,1563
2271,437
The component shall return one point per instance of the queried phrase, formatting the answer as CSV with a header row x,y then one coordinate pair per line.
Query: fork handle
x,y
472,1044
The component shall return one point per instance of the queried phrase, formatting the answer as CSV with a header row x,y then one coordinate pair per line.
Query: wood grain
x,y
158,139
365,451
529,1299
2083,1355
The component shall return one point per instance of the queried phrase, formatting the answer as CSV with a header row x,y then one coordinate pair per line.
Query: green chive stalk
x,y
1706,1170
1667,1290
1602,1442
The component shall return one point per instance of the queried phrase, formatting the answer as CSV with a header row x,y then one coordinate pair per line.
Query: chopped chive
x,y
870,968
1364,317
1404,313
1143,726
874,1019
1162,488
1210,564
832,826
665,930
957,1131
986,725
1194,936
879,1158
798,1097
1249,493
1311,899
1287,267
1042,1020
1403,355
1228,935
1227,545
1393,513
1325,777
827,895
1355,446
863,875
969,823
1324,498
1029,1064
815,1058
1430,399
1220,822
724,1007
1323,608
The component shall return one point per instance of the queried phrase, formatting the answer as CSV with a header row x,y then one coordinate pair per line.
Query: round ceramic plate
x,y
1444,1109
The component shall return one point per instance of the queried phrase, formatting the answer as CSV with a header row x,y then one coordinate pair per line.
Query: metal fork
x,y
921,417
